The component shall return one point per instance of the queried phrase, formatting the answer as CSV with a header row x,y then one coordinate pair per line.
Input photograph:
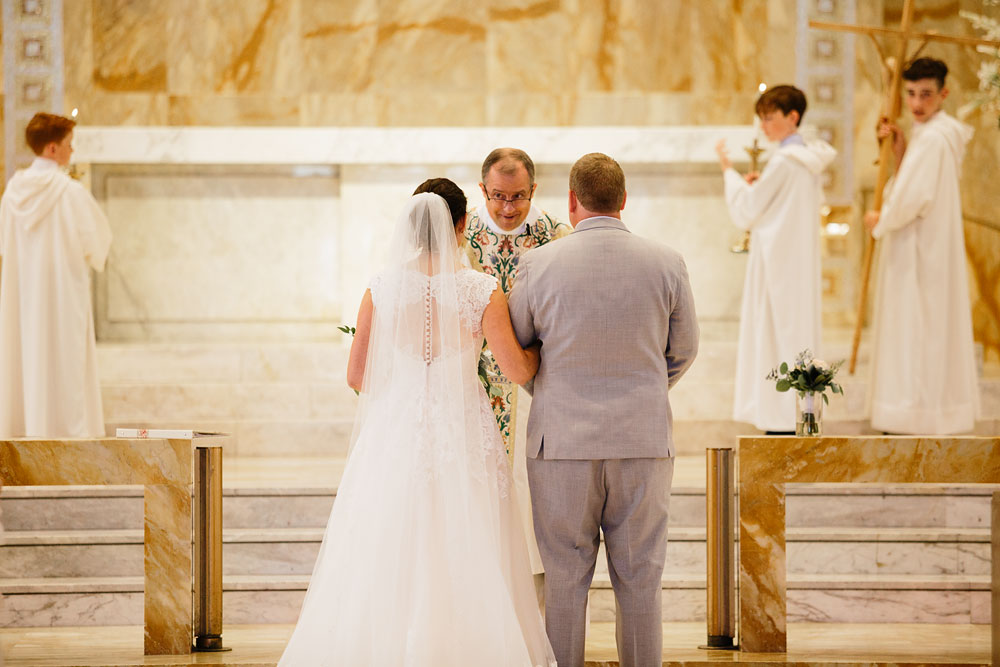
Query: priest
x,y
52,232
923,363
498,232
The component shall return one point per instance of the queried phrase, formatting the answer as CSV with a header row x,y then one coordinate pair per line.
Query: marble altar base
x,y
164,468
766,465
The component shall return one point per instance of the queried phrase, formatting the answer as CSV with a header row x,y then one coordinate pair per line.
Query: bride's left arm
x,y
359,348
517,364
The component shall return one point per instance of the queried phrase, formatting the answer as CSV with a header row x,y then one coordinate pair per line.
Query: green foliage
x,y
808,375
347,329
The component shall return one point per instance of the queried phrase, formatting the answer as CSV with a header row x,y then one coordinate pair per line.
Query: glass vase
x,y
809,413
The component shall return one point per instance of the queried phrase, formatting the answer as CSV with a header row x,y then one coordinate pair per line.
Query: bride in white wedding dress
x,y
424,560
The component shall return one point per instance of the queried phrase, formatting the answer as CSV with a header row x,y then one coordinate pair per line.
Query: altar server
x,y
52,232
781,310
923,364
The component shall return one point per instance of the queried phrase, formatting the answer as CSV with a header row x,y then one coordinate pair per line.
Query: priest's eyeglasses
x,y
517,200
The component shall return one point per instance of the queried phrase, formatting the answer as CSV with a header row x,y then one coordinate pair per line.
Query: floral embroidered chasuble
x,y
496,252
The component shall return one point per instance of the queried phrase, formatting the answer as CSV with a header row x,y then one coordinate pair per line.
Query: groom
x,y
616,319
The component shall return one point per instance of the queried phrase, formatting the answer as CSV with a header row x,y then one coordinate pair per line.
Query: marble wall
x,y
513,63
423,62
218,252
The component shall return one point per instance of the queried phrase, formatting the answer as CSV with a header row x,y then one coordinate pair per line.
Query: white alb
x,y
52,233
782,307
923,361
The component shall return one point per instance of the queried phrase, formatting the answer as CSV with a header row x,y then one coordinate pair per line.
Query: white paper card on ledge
x,y
166,433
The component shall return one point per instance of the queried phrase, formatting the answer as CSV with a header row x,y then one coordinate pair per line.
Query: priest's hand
x,y
871,219
752,177
720,150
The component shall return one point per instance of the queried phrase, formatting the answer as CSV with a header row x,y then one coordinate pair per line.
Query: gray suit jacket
x,y
616,318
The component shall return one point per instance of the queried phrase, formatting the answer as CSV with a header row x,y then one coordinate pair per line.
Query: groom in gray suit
x,y
616,319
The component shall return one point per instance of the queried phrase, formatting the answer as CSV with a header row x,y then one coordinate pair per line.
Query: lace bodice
x,y
474,290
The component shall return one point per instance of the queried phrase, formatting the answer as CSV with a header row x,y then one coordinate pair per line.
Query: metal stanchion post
x,y
721,543
208,550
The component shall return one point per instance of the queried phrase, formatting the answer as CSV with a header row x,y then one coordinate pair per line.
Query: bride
x,y
424,561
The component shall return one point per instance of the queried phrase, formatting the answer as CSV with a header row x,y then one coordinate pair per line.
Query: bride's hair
x,y
451,193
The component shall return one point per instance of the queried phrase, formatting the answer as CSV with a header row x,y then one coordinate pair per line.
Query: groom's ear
x,y
573,203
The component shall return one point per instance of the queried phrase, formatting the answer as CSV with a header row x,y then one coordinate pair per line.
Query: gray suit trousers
x,y
572,502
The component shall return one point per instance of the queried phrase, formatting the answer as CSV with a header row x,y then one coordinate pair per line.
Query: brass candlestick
x,y
754,152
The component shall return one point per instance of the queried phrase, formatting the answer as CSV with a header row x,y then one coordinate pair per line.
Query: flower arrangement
x,y
808,377
989,69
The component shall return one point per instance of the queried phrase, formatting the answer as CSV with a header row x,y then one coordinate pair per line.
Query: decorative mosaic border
x,y
825,71
32,71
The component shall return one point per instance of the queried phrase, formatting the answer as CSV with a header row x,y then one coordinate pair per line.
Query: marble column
x,y
767,464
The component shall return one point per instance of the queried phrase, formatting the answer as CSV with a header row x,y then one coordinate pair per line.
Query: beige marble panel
x,y
238,110
105,461
248,247
130,44
227,46
416,108
725,54
167,591
767,464
338,46
630,45
343,109
630,108
164,467
982,248
431,48
529,109
98,107
78,49
529,49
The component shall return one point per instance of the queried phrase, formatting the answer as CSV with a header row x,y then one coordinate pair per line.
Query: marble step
x,y
277,599
66,508
290,401
289,551
815,505
228,402
192,363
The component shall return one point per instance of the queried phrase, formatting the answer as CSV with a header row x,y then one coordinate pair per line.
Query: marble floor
x,y
261,645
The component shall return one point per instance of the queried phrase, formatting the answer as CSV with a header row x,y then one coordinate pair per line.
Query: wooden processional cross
x,y
890,110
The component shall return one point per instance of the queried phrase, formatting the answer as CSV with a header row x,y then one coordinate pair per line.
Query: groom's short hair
x,y
599,183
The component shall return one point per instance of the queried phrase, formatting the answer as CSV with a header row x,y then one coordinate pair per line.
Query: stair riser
x,y
683,557
238,511
679,605
227,402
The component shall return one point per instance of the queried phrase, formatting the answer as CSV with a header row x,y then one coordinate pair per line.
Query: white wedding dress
x,y
424,560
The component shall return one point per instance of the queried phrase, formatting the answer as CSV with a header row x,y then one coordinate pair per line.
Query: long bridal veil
x,y
417,566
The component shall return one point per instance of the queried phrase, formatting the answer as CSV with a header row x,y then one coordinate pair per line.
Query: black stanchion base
x,y
209,644
720,643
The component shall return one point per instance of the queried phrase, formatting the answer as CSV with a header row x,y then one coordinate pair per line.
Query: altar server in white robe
x,y
52,232
781,311
923,362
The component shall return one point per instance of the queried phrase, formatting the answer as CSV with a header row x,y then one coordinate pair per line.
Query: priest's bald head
x,y
508,185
